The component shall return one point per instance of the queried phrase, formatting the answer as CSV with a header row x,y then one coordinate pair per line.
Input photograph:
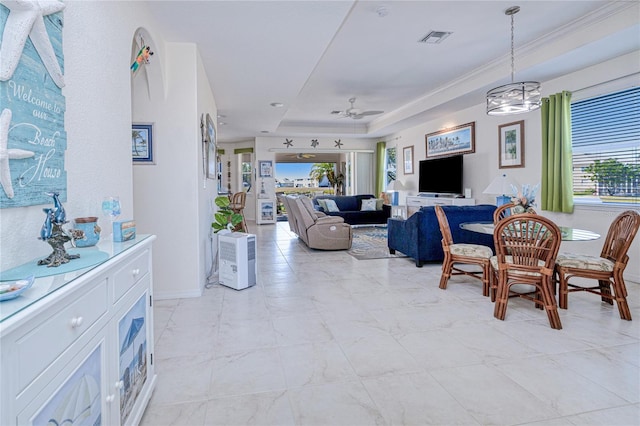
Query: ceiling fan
x,y
302,156
354,112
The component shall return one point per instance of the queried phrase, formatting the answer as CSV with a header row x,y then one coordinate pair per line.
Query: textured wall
x,y
97,44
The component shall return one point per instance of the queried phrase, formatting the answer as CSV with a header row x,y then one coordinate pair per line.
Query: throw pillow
x,y
368,205
379,203
332,206
323,204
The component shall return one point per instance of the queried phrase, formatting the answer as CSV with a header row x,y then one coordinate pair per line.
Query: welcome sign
x,y
32,136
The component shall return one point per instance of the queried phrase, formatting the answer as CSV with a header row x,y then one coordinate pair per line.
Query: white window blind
x,y
605,134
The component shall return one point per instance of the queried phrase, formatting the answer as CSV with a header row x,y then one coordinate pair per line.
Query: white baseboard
x,y
176,295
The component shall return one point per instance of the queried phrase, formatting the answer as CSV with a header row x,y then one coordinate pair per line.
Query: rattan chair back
x,y
237,204
526,248
620,236
507,210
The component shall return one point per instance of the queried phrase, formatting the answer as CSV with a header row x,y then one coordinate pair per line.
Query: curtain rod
x,y
605,82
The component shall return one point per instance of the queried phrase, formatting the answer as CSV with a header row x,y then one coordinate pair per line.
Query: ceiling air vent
x,y
435,37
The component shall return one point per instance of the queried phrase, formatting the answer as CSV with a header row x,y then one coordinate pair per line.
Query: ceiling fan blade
x,y
364,113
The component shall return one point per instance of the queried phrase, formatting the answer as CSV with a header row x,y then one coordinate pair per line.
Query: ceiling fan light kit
x,y
515,97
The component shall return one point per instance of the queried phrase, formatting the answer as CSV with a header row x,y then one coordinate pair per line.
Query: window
x,y
246,171
605,133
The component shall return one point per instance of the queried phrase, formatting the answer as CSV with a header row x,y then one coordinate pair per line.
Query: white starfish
x,y
8,154
26,19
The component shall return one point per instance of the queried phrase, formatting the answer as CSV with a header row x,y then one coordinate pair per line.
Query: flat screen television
x,y
441,175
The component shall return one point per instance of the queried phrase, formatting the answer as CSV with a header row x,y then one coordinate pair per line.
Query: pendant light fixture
x,y
515,97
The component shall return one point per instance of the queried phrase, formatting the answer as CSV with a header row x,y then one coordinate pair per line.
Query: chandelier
x,y
515,97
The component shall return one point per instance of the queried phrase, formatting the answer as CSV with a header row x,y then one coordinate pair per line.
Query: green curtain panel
x,y
556,194
380,153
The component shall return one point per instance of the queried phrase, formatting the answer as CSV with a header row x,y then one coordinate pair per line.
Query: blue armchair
x,y
419,236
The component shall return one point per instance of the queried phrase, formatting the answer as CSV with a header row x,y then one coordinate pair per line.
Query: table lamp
x,y
501,186
393,187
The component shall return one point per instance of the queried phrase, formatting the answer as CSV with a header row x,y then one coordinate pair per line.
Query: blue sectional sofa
x,y
419,236
350,209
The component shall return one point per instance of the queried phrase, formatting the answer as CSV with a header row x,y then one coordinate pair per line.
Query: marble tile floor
x,y
325,339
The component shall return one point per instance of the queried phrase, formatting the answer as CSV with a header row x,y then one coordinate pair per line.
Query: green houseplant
x,y
225,218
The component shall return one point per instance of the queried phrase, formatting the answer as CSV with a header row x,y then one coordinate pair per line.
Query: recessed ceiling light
x,y
435,37
277,104
264,131
222,116
222,123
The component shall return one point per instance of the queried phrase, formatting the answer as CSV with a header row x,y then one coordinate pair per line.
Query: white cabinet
x,y
79,345
415,202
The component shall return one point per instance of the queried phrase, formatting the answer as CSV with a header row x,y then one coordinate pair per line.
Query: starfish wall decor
x,y
338,144
26,19
288,143
314,143
7,154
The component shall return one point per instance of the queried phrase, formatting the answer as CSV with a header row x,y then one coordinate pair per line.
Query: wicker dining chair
x,y
526,249
500,213
608,269
471,254
237,204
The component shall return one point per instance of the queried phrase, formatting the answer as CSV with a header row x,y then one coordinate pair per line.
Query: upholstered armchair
x,y
419,236
318,232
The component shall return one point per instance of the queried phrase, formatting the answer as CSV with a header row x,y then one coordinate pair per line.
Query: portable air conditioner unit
x,y
237,253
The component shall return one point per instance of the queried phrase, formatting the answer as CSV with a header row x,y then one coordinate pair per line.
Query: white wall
x,y
172,198
97,121
482,166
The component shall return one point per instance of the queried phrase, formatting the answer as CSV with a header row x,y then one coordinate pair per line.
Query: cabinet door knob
x,y
135,272
119,384
110,398
76,322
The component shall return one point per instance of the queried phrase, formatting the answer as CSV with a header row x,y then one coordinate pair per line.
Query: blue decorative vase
x,y
89,225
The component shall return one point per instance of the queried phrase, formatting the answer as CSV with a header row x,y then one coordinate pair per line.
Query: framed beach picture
x,y
266,168
142,143
511,145
455,140
407,159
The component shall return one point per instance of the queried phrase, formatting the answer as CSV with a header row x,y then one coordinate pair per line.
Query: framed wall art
x,y
455,140
511,145
407,159
142,143
265,168
212,148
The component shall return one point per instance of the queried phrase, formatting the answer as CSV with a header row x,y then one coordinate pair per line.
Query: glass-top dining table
x,y
568,233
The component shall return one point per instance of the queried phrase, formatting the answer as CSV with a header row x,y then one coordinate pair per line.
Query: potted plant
x,y
225,218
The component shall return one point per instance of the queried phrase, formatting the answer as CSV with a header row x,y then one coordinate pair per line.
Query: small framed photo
x,y
511,145
266,168
142,143
455,140
407,159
